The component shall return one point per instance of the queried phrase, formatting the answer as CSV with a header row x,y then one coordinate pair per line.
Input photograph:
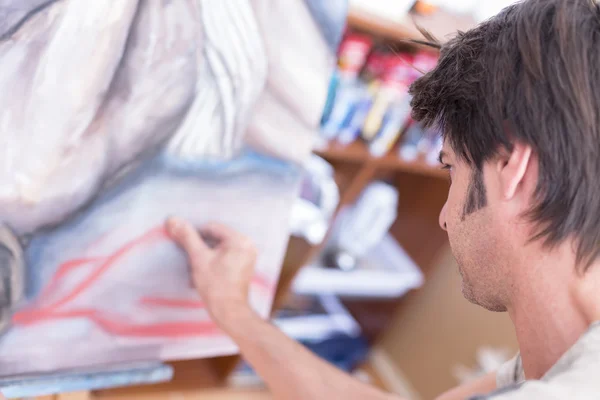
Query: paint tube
x,y
352,56
392,127
395,81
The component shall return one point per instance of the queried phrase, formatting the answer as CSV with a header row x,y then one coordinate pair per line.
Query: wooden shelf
x,y
191,376
357,152
441,24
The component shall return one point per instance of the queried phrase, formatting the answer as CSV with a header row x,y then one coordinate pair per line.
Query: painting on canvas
x,y
115,115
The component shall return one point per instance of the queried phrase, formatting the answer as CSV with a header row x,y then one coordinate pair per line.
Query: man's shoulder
x,y
539,390
574,376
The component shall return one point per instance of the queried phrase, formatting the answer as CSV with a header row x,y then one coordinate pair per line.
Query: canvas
x,y
115,115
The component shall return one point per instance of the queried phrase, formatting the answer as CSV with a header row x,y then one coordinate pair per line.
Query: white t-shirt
x,y
576,375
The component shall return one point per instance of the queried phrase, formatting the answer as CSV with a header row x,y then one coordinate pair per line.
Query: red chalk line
x,y
109,323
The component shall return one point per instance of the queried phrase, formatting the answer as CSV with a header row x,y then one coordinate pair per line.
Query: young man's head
x,y
518,101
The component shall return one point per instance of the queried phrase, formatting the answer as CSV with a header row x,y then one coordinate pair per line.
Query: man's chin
x,y
469,295
467,292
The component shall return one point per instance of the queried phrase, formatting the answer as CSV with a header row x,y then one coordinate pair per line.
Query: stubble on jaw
x,y
480,277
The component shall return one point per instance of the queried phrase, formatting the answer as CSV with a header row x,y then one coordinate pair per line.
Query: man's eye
x,y
449,169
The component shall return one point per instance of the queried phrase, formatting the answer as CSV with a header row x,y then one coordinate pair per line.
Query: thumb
x,y
186,236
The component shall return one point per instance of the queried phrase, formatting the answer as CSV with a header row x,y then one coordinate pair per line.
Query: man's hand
x,y
222,275
222,272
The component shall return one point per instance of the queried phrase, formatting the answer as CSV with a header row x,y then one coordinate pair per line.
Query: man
x,y
517,99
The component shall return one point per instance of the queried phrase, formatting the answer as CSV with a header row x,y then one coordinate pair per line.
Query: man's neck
x,y
548,319
545,333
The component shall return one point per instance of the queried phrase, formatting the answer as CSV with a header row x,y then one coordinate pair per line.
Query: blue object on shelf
x,y
331,96
343,351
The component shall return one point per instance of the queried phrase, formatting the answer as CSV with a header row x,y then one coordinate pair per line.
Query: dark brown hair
x,y
532,74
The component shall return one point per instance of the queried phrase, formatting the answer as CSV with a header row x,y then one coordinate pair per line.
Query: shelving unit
x,y
386,271
423,189
357,152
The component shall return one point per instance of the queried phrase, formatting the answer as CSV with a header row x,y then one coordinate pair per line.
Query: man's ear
x,y
512,167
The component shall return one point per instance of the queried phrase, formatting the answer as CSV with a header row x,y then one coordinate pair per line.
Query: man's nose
x,y
442,217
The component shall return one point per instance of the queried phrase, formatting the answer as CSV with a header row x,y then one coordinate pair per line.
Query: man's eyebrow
x,y
441,157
